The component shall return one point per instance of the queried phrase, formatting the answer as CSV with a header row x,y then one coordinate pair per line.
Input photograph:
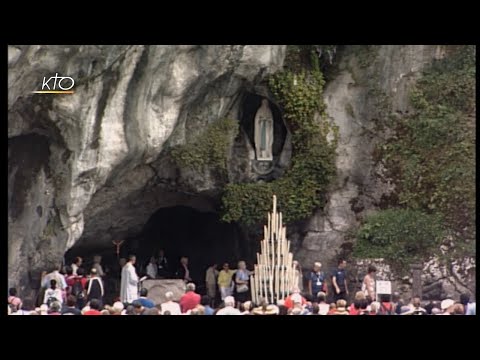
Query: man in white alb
x,y
129,284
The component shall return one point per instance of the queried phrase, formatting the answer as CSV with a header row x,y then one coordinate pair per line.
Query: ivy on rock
x,y
303,187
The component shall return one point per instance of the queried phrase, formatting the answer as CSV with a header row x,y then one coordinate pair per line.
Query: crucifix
x,y
118,243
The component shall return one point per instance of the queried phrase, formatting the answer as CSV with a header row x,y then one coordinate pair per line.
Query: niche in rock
x,y
250,105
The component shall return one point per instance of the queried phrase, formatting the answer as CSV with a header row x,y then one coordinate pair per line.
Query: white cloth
x,y
228,310
224,292
324,308
129,284
74,269
152,270
57,294
171,306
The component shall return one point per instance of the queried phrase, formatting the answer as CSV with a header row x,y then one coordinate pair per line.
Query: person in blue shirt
x,y
206,301
146,303
339,281
316,281
470,307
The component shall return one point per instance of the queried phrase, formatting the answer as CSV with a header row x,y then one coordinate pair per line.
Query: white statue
x,y
264,132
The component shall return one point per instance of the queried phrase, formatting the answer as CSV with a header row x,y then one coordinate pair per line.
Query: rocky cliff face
x,y
89,165
354,105
371,86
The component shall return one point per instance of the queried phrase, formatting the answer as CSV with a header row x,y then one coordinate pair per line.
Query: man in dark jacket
x,y
94,287
183,271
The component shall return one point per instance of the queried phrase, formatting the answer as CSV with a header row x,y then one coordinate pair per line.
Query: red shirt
x,y
83,280
69,280
92,312
189,301
289,302
353,311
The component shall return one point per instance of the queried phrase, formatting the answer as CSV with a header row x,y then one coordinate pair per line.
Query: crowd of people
x,y
70,292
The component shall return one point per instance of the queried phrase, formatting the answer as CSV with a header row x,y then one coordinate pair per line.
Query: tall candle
x,y
261,281
277,280
270,254
258,277
252,287
279,251
272,228
266,252
280,275
287,280
271,290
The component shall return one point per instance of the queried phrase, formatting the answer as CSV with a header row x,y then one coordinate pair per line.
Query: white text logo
x,y
56,85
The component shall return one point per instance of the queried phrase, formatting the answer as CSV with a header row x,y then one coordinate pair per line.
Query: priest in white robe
x,y
129,284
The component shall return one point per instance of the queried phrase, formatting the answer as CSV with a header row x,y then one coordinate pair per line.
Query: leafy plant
x,y
210,147
400,236
431,157
303,186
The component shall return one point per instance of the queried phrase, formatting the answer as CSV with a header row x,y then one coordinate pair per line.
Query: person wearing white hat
x,y
117,308
229,308
447,306
170,305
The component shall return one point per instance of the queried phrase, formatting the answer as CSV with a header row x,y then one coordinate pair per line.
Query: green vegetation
x,y
431,157
303,186
400,236
210,147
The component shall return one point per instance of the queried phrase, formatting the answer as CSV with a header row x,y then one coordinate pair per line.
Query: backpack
x,y
385,311
50,300
77,289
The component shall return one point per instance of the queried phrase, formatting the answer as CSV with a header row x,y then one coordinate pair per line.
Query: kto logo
x,y
63,83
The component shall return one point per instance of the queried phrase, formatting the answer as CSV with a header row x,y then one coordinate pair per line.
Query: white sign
x,y
384,287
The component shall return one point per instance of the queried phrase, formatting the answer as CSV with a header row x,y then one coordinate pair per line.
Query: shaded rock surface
x,y
88,168
89,165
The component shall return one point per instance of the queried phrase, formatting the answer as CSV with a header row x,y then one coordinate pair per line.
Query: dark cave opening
x,y
180,231
184,231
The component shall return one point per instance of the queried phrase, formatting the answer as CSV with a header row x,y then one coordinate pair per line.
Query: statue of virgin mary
x,y
264,132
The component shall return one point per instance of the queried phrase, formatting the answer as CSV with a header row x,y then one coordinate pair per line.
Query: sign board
x,y
384,287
